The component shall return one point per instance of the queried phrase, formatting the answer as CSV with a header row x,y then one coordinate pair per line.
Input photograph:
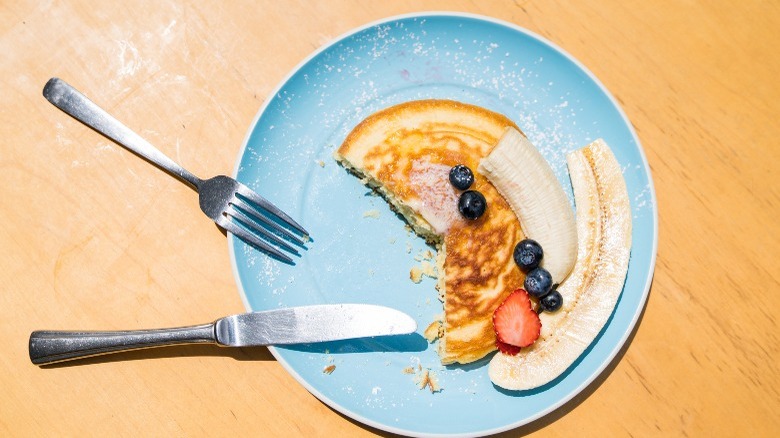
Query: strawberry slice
x,y
515,321
507,349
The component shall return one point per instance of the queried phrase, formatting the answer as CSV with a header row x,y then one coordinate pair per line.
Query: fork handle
x,y
48,347
78,106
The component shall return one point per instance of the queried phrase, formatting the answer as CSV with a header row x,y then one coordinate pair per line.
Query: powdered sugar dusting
x,y
438,201
366,259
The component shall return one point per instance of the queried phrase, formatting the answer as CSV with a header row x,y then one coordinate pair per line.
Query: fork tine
x,y
248,210
254,241
246,220
250,195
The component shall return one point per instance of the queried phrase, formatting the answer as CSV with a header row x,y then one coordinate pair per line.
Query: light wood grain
x,y
95,237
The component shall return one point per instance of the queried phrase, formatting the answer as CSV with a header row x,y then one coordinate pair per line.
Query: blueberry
x,y
461,177
552,301
528,254
472,204
538,282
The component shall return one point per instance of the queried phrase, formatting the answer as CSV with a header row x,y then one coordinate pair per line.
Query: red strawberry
x,y
515,321
507,349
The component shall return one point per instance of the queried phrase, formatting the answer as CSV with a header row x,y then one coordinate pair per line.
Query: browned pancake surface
x,y
407,151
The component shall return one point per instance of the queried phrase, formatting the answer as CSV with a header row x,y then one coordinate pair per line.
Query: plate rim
x,y
650,185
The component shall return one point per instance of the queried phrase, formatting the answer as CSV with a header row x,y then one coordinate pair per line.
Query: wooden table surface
x,y
94,237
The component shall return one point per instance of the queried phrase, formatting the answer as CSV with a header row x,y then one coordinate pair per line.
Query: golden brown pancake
x,y
405,152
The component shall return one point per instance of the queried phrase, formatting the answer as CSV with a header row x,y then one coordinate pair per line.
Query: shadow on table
x,y
173,351
555,415
585,393
406,343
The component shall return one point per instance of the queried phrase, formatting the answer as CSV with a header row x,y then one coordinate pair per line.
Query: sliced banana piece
x,y
524,178
591,291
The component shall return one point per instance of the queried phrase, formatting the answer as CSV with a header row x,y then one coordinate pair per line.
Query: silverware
x,y
232,205
295,325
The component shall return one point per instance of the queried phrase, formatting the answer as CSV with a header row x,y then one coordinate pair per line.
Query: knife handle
x,y
48,347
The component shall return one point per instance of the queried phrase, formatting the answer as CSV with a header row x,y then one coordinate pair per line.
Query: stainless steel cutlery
x,y
229,203
294,325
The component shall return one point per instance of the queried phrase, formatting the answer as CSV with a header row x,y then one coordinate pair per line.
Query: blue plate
x,y
362,253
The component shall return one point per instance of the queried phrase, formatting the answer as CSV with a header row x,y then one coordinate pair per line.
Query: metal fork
x,y
232,205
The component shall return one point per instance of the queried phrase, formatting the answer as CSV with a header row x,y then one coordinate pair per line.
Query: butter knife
x,y
294,325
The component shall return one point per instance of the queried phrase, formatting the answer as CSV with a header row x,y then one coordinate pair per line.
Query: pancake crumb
x,y
329,369
416,274
433,331
429,269
433,382
426,269
374,214
427,378
424,255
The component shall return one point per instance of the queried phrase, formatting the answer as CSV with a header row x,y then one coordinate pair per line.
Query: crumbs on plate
x,y
428,379
426,269
435,330
424,378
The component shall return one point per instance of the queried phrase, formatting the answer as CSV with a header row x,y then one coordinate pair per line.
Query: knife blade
x,y
294,325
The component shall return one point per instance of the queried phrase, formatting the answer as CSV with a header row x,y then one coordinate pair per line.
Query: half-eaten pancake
x,y
405,152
